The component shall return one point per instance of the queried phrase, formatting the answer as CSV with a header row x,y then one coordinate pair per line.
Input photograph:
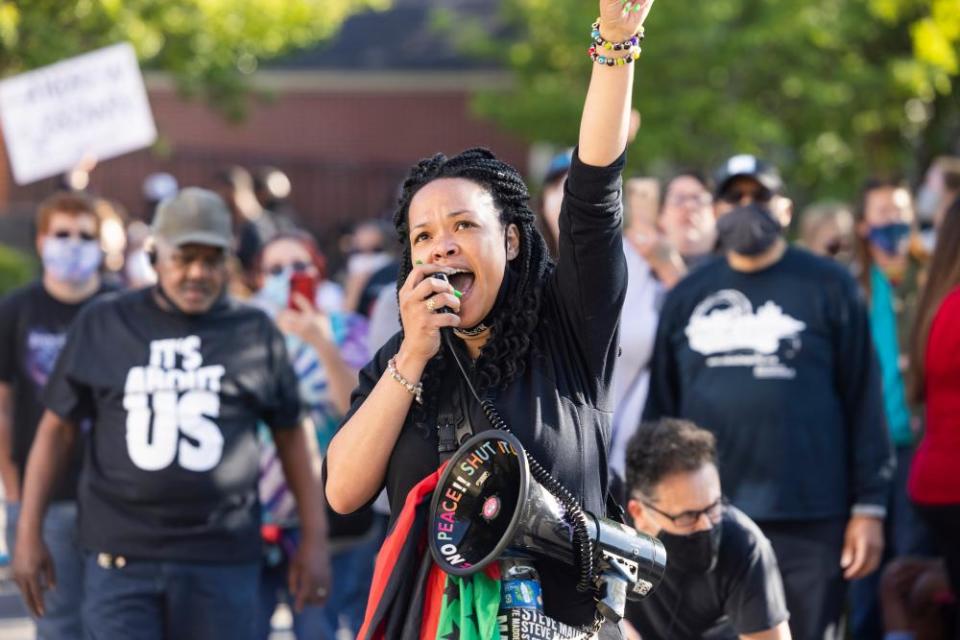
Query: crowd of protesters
x,y
817,383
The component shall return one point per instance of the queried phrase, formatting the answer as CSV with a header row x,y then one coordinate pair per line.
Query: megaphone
x,y
488,501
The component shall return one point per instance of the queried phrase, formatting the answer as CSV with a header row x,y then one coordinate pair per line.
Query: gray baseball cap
x,y
194,216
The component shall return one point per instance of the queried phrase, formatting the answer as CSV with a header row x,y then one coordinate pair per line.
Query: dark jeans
x,y
351,568
904,533
151,600
62,617
808,553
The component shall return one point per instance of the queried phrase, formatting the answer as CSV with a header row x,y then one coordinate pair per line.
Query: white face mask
x,y
70,260
276,290
140,272
366,263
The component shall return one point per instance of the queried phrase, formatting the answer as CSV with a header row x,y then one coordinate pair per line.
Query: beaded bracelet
x,y
600,50
416,390
632,41
612,61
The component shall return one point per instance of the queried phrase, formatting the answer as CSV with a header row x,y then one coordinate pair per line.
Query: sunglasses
x,y
85,236
297,266
736,196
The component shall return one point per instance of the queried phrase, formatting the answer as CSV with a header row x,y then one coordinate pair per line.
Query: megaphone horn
x,y
487,501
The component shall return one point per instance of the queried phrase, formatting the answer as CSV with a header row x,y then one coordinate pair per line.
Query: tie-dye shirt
x,y
350,335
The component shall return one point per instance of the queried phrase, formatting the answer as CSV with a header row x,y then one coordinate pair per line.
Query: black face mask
x,y
749,230
693,553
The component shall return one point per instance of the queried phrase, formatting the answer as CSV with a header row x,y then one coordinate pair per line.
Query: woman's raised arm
x,y
606,112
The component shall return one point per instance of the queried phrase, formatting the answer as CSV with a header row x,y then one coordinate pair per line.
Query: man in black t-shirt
x,y
768,347
33,327
174,380
722,580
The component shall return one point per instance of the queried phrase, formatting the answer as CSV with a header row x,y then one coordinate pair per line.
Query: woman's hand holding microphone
x,y
420,298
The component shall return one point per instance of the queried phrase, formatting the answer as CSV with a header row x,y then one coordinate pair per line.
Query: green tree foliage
x,y
209,45
829,89
16,268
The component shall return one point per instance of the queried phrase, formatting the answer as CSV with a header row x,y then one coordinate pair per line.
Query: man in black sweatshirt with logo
x,y
769,347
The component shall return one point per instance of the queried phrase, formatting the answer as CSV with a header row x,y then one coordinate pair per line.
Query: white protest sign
x,y
93,105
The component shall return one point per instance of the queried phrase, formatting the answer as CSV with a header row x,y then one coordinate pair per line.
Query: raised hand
x,y
307,322
620,19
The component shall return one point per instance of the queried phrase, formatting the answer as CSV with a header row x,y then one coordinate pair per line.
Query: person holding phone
x,y
540,337
326,349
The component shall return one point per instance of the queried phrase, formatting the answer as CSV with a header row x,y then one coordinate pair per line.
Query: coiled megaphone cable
x,y
583,546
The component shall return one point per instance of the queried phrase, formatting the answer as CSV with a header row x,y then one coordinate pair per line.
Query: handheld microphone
x,y
439,275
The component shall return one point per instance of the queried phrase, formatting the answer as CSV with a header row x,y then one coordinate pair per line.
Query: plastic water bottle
x,y
519,584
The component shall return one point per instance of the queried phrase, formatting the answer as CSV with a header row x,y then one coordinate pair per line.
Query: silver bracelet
x,y
416,390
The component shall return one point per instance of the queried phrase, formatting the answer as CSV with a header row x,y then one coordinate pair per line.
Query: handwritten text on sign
x,y
93,105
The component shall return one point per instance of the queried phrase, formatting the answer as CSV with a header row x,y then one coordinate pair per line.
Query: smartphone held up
x,y
304,284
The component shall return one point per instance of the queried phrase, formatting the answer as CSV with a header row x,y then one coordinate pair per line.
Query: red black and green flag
x,y
412,599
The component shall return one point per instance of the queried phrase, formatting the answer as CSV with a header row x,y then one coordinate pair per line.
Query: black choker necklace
x,y
472,332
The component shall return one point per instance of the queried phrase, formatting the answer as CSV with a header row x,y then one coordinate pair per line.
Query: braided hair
x,y
503,356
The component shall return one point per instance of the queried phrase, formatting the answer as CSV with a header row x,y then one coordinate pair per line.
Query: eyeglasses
x,y
688,519
85,236
298,266
736,196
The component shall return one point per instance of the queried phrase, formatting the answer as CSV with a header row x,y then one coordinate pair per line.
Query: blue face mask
x,y
73,261
276,289
890,238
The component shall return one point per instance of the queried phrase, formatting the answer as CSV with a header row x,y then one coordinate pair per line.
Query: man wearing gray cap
x,y
768,347
173,381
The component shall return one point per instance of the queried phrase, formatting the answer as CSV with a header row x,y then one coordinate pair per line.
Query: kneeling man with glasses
x,y
722,579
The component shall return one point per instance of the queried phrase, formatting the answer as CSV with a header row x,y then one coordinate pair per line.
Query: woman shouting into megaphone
x,y
539,338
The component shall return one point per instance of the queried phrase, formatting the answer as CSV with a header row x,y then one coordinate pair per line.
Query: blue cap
x,y
559,165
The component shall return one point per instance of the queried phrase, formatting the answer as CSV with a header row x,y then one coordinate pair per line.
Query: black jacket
x,y
559,407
